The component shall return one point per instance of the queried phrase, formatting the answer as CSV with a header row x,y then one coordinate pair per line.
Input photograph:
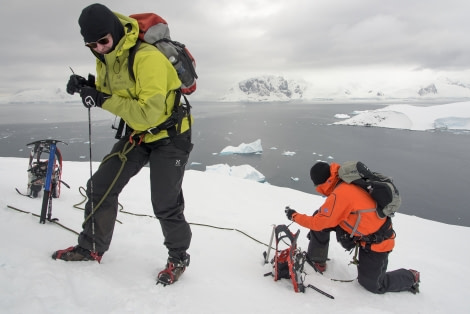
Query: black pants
x,y
372,269
167,161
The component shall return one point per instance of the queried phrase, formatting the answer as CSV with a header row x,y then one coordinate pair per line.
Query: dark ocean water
x,y
430,168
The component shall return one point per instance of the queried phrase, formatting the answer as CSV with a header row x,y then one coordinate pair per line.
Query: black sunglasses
x,y
101,41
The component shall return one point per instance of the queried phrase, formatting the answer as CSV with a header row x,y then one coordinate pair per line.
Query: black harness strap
x,y
131,58
385,232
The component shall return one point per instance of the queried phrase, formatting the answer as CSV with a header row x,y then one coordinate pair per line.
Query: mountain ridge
x,y
279,88
273,88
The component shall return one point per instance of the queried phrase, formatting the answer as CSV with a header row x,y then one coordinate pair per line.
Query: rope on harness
x,y
122,156
82,192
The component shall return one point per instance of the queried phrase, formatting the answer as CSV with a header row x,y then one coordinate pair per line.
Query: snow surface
x,y
227,267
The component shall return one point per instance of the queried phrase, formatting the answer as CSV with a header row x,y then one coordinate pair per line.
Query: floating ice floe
x,y
250,148
453,116
342,116
288,153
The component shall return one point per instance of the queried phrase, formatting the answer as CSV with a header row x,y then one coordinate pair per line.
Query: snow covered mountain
x,y
278,88
270,88
267,88
430,89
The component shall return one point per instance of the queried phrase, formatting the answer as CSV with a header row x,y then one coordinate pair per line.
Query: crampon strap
x,y
168,271
94,255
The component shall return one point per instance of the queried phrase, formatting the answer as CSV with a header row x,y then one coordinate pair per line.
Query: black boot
x,y
416,276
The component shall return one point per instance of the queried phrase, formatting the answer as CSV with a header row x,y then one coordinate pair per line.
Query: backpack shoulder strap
x,y
130,61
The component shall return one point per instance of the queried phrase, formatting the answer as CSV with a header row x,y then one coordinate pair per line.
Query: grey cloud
x,y
232,40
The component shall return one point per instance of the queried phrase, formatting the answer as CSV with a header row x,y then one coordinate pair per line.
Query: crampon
x,y
288,263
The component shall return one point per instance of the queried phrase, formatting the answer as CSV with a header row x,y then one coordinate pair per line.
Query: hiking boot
x,y
174,269
77,253
416,276
319,267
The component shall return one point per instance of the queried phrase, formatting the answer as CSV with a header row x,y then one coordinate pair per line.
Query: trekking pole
x,y
321,291
266,254
91,182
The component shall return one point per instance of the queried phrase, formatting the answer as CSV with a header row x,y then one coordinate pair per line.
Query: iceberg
x,y
250,148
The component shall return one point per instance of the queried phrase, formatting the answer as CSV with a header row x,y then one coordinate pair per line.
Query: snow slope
x,y
226,271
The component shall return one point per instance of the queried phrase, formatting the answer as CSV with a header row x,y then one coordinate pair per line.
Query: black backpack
x,y
380,187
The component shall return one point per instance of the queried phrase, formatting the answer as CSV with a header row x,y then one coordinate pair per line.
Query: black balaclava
x,y
96,21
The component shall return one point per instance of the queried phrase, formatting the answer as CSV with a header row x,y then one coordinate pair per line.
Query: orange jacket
x,y
342,208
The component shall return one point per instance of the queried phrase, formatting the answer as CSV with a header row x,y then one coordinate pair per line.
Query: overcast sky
x,y
236,39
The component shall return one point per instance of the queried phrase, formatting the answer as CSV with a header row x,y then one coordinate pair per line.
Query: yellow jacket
x,y
147,101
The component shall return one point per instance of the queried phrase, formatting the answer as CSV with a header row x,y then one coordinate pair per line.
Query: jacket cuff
x,y
293,216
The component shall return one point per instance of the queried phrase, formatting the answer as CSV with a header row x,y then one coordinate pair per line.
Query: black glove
x,y
92,98
289,212
77,82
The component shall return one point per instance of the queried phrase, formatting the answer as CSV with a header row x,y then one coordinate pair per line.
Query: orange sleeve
x,y
329,215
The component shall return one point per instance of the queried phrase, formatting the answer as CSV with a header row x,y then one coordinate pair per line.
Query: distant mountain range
x,y
267,88
52,95
278,88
